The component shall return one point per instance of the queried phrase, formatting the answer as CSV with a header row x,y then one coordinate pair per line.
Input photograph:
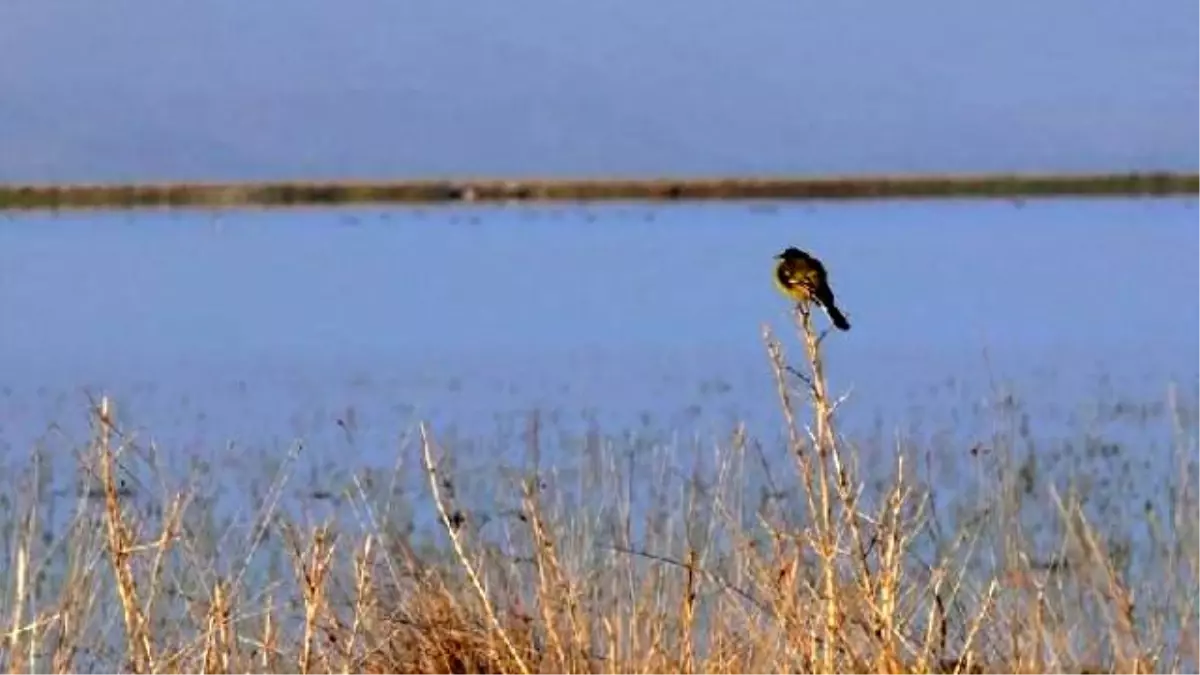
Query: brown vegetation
x,y
299,193
835,584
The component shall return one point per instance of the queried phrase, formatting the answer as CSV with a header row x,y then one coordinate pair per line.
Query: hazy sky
x,y
226,89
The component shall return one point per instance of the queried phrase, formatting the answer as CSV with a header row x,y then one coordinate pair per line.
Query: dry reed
x,y
832,581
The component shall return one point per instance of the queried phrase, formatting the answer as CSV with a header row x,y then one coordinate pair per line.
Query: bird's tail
x,y
836,316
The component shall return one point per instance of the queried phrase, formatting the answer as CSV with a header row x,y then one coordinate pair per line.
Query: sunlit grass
x,y
845,562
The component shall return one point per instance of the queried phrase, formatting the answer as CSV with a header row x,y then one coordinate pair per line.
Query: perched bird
x,y
802,278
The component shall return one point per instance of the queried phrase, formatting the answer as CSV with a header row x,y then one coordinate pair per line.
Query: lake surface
x,y
232,336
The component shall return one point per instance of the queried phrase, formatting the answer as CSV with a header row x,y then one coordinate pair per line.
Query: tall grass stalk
x,y
849,571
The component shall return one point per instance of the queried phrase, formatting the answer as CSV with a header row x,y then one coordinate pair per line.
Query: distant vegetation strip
x,y
295,193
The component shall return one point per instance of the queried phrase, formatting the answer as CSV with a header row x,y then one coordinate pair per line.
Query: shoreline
x,y
284,193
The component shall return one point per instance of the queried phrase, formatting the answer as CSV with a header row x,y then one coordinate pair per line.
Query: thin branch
x,y
431,473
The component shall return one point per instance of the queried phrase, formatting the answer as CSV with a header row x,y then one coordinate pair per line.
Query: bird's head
x,y
790,253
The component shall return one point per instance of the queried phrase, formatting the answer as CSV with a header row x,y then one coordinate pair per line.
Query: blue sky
x,y
231,90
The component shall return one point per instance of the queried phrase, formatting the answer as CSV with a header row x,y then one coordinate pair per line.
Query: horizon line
x,y
468,190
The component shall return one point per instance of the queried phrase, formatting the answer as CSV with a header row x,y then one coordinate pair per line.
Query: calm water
x,y
229,336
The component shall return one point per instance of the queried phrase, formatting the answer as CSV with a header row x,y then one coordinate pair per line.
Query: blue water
x,y
232,336
1066,283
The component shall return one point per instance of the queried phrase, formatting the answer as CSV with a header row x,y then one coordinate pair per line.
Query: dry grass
x,y
298,193
836,577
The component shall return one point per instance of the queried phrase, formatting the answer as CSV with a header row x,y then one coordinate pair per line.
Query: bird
x,y
802,278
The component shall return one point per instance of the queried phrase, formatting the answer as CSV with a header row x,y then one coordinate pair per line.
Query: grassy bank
x,y
288,193
836,566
